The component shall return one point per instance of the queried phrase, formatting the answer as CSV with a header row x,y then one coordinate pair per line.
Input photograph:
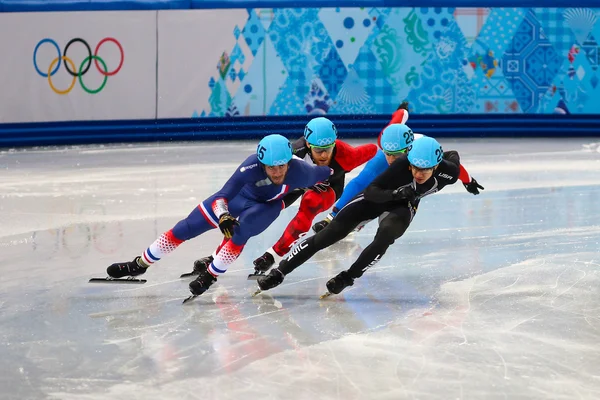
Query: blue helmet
x,y
274,150
320,132
425,153
397,138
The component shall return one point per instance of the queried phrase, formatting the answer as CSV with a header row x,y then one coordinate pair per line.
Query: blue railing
x,y
105,5
477,125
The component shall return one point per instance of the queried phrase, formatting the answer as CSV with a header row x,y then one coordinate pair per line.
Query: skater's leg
x,y
196,223
344,222
253,221
223,243
202,264
391,227
236,206
338,229
312,203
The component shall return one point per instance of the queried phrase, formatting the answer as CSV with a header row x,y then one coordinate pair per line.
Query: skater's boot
x,y
129,268
340,282
202,264
264,262
319,226
271,280
202,282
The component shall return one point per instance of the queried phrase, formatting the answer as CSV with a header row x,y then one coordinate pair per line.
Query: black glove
x,y
226,224
473,186
319,226
403,105
320,187
405,193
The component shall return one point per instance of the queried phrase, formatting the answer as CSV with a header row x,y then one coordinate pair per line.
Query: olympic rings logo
x,y
390,146
421,163
83,67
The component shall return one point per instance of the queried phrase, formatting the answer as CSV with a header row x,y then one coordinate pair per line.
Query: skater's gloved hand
x,y
405,193
320,187
226,224
473,186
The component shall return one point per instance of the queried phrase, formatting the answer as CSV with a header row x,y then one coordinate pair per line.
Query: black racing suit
x,y
377,200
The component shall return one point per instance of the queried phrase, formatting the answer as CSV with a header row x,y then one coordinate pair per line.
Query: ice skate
x,y
199,266
201,284
338,283
262,265
273,279
123,272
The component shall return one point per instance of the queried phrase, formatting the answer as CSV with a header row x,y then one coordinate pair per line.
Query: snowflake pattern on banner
x,y
471,21
399,51
288,101
333,73
254,32
435,90
317,101
353,98
348,29
493,94
442,60
220,99
530,64
375,82
300,39
255,94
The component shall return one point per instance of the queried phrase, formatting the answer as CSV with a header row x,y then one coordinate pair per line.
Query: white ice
x,y
493,296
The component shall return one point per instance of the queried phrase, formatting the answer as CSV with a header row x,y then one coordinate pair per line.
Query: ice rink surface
x,y
495,296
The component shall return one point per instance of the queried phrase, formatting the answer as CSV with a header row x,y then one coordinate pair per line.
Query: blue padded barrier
x,y
110,5
218,4
492,3
349,126
90,5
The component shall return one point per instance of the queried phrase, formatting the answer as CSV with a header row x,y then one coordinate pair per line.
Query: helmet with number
x,y
425,153
274,150
320,132
397,138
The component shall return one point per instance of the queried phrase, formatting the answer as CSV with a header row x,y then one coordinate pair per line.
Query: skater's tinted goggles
x,y
395,153
323,149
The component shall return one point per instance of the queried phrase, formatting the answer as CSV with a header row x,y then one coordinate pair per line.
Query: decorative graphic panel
x,y
367,60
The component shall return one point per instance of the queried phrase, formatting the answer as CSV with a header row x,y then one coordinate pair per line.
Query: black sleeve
x,y
292,196
299,148
452,156
338,186
382,187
